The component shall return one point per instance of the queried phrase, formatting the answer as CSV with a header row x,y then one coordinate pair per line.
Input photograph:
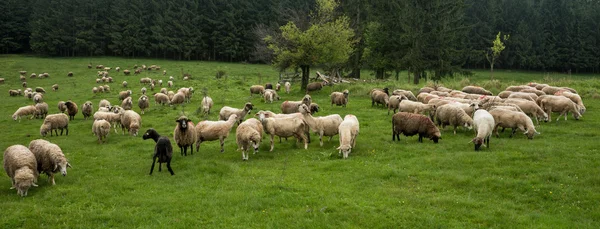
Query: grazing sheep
x,y
71,109
178,98
112,117
188,92
163,90
170,83
124,94
575,98
21,166
184,135
560,104
541,86
126,72
289,107
515,120
13,92
55,122
137,72
207,104
131,121
61,107
38,97
151,87
127,104
124,83
453,116
87,109
50,158
22,72
348,129
440,93
415,107
101,128
533,90
24,111
248,133
257,89
240,113
214,130
315,86
410,124
95,90
22,78
160,98
117,69
70,74
287,87
516,88
268,96
285,127
484,124
523,95
550,90
24,84
324,125
160,82
41,110
530,108
476,90
408,94
162,150
143,103
380,97
145,80
339,98
55,87
277,87
33,75
143,90
40,90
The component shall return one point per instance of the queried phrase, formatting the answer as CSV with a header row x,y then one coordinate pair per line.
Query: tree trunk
x,y
491,72
305,76
416,77
379,73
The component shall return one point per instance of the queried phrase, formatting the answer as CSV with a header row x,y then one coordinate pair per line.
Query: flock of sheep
x,y
432,108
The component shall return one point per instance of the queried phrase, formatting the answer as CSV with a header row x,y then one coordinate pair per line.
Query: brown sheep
x,y
476,90
315,86
411,124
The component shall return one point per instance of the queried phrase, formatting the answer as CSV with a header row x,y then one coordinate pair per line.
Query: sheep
x,y
184,135
71,109
533,90
55,122
550,90
515,120
145,80
541,86
94,90
324,126
315,86
112,117
410,124
530,108
289,107
160,82
2,81
24,84
188,92
55,87
440,93
126,72
476,90
137,72
516,88
257,89
178,98
41,110
162,150
24,111
61,107
339,98
151,87
207,104
408,94
33,75
13,92
22,72
163,90
87,109
50,158
277,86
40,90
143,103
416,107
575,98
124,94
523,95
117,69
124,83
101,128
170,83
287,86
160,98
240,113
22,78
171,78
38,97
131,121
285,127
269,86
21,166
380,97
561,104
214,130
454,116
268,96
248,133
127,103
348,129
484,124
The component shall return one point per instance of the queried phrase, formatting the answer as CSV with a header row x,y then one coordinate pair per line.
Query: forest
x,y
440,36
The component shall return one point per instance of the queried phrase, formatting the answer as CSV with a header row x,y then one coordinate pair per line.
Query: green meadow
x,y
552,181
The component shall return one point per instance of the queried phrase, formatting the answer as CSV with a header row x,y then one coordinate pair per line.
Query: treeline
x,y
550,35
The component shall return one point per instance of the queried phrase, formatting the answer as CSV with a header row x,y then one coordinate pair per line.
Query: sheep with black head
x,y
162,150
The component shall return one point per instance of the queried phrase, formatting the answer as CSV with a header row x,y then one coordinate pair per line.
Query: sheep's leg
x,y
421,138
514,130
321,137
487,139
160,166
152,168
169,167
52,178
454,130
271,143
191,149
221,139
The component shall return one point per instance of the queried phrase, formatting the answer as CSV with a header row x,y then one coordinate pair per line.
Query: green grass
x,y
549,182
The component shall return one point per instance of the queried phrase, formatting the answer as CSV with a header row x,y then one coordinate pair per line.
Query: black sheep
x,y
71,109
268,86
162,150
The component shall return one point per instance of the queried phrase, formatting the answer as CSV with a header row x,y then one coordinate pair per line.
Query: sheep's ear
x,y
55,166
339,148
537,133
34,185
69,165
471,140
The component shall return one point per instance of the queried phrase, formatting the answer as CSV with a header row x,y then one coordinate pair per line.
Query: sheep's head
x,y
345,150
150,133
62,166
302,108
134,128
478,142
248,106
576,115
24,179
182,122
233,117
386,90
436,137
314,108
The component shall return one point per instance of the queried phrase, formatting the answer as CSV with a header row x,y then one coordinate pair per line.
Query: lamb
x,y
124,83
38,98
484,124
476,90
453,116
380,97
416,107
41,110
268,96
287,87
143,103
124,94
185,135
257,89
324,125
21,166
117,69
50,158
160,98
131,121
289,107
127,103
515,120
207,104
178,98
55,122
315,86
71,109
24,111
101,128
162,150
87,109
339,98
104,103
214,130
348,129
55,87
530,108
408,94
145,80
94,90
240,113
285,127
248,133
575,98
561,104
410,124
61,107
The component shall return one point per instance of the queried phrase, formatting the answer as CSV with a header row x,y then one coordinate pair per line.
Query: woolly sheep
x,y
287,87
87,109
104,103
277,86
289,107
126,72
285,127
160,82
112,117
33,75
533,90
348,129
207,104
143,103
127,103
453,116
575,98
94,90
339,98
515,120
240,113
214,130
550,90
21,166
117,69
380,97
124,94
315,86
516,88
257,89
131,121
14,92
523,95
476,90
124,83
24,111
101,128
415,107
22,72
484,124
178,98
41,110
145,80
530,108
71,109
247,134
163,90
188,92
162,150
55,122
170,83
22,78
408,94
50,158
184,135
61,107
410,124
24,84
324,125
160,98
38,97
55,87
268,96
143,90
560,104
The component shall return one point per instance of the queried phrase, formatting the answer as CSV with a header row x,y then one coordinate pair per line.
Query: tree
x,y
327,41
494,52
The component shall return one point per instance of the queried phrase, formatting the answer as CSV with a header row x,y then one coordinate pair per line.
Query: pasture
x,y
551,181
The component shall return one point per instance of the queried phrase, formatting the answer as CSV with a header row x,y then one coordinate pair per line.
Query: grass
x,y
549,182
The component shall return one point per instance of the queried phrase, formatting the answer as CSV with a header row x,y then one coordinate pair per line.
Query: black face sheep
x,y
484,124
269,86
71,109
214,130
184,135
87,109
410,124
348,129
162,150
21,166
248,133
40,90
50,158
240,113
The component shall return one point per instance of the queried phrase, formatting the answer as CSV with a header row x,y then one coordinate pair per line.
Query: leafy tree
x,y
494,52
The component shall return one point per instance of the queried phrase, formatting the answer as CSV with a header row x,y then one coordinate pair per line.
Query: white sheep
x,y
124,94
145,80
287,87
207,104
95,90
163,90
214,130
21,166
248,133
408,94
289,107
127,103
560,104
240,113
453,116
530,108
160,98
103,103
484,124
112,117
268,96
415,107
50,158
575,98
178,98
24,111
188,92
257,89
285,127
131,121
55,122
339,98
184,135
143,90
41,110
87,109
143,103
324,125
101,128
348,129
170,83
515,120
